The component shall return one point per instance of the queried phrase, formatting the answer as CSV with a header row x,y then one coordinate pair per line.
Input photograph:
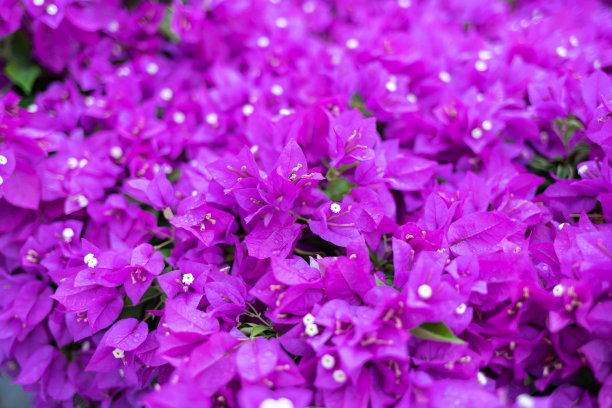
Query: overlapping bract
x,y
283,203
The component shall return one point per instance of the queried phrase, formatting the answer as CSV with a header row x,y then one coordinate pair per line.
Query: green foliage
x,y
15,49
435,331
357,102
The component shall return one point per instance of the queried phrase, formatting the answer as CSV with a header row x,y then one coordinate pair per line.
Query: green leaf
x,y
338,188
165,29
379,282
357,102
22,75
435,331
257,330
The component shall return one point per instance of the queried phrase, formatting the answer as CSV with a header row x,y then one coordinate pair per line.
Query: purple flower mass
x,y
306,203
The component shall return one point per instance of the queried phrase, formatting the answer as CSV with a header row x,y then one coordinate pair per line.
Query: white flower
x,y
118,353
152,68
166,94
311,330
328,361
67,234
3,160
424,291
461,309
212,119
116,152
188,278
178,117
487,125
444,77
276,403
525,401
480,66
339,376
352,43
247,110
482,379
335,208
308,319
51,9
277,90
558,290
476,133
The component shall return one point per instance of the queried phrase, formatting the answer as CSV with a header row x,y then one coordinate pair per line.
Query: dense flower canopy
x,y
306,203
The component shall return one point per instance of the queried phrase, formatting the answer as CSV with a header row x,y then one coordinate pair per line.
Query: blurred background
x,y
12,396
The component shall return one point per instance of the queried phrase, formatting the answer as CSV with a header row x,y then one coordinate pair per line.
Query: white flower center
x,y
82,163
574,41
480,66
461,309
444,77
411,98
116,152
51,9
212,119
178,117
311,330
277,90
247,110
477,133
152,68
485,55
263,42
525,401
352,43
73,162
166,94
89,100
339,376
3,160
282,22
188,278
113,26
558,290
561,51
391,86
308,319
328,361
82,200
67,234
487,125
482,379
118,353
276,403
1,180
124,71
561,226
424,291
39,2
583,169
33,108
335,208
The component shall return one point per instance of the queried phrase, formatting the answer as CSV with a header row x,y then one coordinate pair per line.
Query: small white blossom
x,y
282,22
558,290
425,292
277,90
335,208
444,77
212,119
328,361
166,94
247,110
188,279
116,152
312,330
178,117
276,403
476,133
152,68
263,42
308,319
480,66
482,379
487,125
561,51
3,160
118,353
461,309
339,376
352,43
67,234
525,401
51,9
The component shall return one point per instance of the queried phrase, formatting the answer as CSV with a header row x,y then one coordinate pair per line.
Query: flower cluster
x,y
298,203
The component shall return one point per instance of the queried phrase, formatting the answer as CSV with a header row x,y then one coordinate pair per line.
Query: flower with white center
x,y
480,66
247,110
39,2
88,257
574,41
558,290
118,353
194,193
33,108
89,100
113,26
352,43
477,133
485,55
561,51
525,401
178,117
51,9
188,279
444,77
277,90
263,42
276,403
124,71
166,94
481,378
284,112
561,226
254,149
1,180
583,169
312,330
424,291
212,119
487,125
479,97
412,98
82,200
391,86
404,3
73,162
308,319
461,309
152,68
116,152
67,234
282,22
3,160
335,208
82,163
308,7
328,361
339,376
